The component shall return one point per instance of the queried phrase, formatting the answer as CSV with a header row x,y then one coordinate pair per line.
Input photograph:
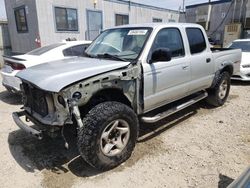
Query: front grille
x,y
35,99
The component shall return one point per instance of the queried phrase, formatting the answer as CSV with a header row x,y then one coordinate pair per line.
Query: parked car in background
x,y
244,45
61,50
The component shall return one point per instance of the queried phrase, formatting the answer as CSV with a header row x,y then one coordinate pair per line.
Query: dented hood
x,y
55,75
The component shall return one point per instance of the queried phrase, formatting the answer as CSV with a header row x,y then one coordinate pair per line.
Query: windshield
x,y
243,45
42,50
123,43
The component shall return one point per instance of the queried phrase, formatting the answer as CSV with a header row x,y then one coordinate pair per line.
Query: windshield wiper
x,y
107,55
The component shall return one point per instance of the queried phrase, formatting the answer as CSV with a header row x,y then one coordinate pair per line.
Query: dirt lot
x,y
198,147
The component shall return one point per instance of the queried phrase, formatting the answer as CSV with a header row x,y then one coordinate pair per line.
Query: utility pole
x,y
183,5
234,10
241,4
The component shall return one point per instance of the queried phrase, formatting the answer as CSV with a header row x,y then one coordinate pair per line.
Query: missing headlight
x,y
61,101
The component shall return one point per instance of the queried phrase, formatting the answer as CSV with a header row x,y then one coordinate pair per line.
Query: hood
x,y
56,75
245,58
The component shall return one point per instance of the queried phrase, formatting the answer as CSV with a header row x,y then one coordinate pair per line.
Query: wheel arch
x,y
110,94
227,68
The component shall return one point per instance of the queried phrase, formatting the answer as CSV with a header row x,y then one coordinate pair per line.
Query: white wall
x,y
46,20
136,14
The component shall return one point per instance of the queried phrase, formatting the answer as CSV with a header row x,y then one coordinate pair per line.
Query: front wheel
x,y
217,96
108,136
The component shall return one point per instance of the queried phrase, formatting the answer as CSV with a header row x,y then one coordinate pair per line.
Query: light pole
x,y
183,5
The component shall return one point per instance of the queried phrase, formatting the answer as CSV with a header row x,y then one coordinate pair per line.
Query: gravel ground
x,y
197,147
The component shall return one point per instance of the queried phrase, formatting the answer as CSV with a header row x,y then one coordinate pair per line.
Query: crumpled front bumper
x,y
16,117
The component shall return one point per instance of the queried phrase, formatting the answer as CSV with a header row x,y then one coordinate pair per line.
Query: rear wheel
x,y
108,136
217,96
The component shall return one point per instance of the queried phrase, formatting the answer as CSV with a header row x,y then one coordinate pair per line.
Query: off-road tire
x,y
89,136
213,93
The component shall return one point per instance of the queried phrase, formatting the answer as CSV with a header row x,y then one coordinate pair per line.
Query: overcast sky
x,y
170,4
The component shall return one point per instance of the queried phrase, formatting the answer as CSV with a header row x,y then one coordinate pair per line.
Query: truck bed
x,y
225,55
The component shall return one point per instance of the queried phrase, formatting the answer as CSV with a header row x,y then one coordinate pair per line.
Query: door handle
x,y
208,60
184,67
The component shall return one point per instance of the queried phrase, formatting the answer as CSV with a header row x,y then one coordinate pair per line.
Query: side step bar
x,y
173,110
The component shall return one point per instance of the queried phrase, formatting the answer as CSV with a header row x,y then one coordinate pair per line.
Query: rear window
x,y
42,50
75,50
196,40
243,45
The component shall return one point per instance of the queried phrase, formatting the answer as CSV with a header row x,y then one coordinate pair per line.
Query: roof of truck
x,y
155,25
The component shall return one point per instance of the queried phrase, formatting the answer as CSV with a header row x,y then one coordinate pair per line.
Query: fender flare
x,y
226,66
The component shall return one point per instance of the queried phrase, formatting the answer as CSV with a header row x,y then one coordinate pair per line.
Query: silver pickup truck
x,y
127,74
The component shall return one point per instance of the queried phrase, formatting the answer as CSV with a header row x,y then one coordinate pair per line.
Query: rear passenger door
x,y
166,81
201,60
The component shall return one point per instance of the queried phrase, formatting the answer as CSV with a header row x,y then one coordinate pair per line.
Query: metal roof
x,y
211,3
3,22
156,25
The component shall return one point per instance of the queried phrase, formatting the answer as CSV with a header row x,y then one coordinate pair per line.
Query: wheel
x,y
217,96
108,136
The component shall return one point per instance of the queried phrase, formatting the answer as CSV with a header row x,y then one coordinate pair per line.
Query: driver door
x,y
166,81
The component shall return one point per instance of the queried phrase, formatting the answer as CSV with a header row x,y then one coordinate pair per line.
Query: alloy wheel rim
x,y
223,89
115,137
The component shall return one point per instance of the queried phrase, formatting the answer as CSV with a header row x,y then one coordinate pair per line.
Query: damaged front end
x,y
43,109
50,111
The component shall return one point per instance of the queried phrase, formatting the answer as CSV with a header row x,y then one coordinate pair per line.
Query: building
x,y
212,16
217,15
247,21
5,46
34,22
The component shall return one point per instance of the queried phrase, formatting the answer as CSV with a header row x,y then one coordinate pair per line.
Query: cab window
x,y
171,39
196,40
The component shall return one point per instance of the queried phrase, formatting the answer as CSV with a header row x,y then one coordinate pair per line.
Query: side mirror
x,y
161,54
